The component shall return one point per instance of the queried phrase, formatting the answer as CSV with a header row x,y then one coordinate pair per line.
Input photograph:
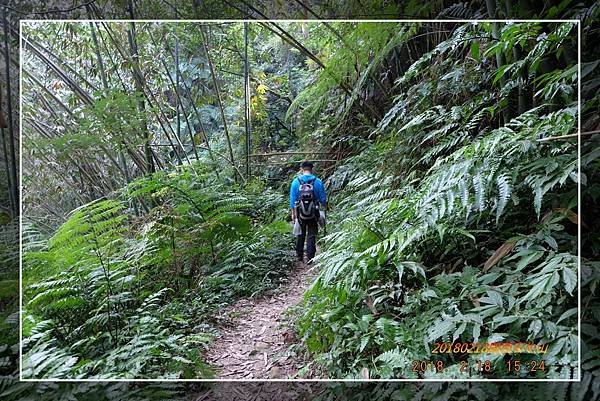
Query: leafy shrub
x,y
461,231
117,293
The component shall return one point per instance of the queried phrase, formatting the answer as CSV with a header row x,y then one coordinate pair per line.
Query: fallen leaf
x,y
371,306
571,215
500,252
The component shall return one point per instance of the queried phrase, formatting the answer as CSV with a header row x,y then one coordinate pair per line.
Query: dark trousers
x,y
309,233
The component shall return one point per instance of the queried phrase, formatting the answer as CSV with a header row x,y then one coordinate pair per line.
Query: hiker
x,y
307,201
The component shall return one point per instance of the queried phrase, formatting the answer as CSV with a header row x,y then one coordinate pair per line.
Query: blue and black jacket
x,y
318,188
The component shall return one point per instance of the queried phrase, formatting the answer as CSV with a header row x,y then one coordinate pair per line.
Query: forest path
x,y
256,333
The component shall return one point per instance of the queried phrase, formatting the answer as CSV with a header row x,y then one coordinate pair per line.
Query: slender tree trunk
x,y
148,95
199,118
139,87
3,126
247,99
61,172
218,92
3,123
99,56
62,64
524,98
11,133
176,150
180,103
500,59
77,90
94,182
7,168
57,68
524,102
46,90
106,89
176,87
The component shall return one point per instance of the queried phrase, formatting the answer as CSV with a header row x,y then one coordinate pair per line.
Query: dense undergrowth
x,y
525,222
119,293
457,223
454,218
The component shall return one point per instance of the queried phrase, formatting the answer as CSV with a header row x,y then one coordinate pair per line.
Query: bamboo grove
x,y
453,173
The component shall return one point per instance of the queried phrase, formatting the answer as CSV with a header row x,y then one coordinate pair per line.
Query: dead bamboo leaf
x,y
205,395
371,305
571,215
499,254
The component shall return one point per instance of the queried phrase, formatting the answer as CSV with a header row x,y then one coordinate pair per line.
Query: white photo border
x,y
577,22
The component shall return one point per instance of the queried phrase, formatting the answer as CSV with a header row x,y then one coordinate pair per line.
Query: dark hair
x,y
306,165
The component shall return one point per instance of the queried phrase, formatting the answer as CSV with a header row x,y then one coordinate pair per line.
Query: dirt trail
x,y
256,334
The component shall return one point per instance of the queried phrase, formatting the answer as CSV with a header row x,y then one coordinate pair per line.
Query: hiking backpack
x,y
306,205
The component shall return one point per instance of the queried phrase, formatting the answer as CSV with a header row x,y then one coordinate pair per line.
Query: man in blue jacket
x,y
307,197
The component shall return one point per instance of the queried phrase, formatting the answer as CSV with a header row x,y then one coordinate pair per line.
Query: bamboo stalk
x,y
60,172
139,83
247,99
552,138
38,126
62,63
176,87
298,161
150,98
178,96
49,92
7,167
105,86
214,79
11,130
196,112
76,88
98,55
284,35
292,153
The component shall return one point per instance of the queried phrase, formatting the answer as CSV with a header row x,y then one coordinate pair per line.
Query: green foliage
x,y
454,220
117,295
551,87
464,233
361,54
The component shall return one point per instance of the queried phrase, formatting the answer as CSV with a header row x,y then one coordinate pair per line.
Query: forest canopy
x,y
157,159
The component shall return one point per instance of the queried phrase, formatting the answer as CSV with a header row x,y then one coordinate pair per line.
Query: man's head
x,y
306,167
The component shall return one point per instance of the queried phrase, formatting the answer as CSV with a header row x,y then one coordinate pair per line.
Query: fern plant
x,y
465,228
118,292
